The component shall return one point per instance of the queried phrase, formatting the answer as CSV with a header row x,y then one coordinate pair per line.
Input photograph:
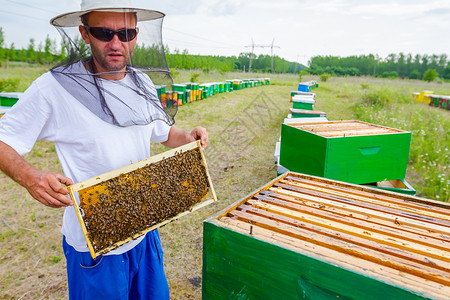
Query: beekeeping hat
x,y
72,19
140,102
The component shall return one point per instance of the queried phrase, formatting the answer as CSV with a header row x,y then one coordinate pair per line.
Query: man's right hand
x,y
47,188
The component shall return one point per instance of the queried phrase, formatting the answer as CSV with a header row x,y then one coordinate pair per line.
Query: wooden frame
x,y
346,128
383,238
208,199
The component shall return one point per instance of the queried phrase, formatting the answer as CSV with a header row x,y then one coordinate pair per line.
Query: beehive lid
x,y
11,95
124,204
303,99
304,120
390,237
4,109
334,129
306,111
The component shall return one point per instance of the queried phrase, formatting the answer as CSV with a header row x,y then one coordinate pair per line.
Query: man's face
x,y
115,54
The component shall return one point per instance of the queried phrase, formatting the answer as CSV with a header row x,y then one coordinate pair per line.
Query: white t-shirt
x,y
86,145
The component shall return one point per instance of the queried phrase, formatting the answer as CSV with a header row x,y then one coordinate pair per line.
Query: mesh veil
x,y
132,100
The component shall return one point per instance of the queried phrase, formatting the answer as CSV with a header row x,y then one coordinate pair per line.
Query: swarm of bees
x,y
126,205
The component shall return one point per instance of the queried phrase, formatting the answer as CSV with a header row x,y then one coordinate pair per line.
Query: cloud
x,y
438,11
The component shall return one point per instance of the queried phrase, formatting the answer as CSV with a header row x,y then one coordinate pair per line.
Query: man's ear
x,y
84,34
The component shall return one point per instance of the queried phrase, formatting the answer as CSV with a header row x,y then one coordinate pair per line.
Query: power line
x,y
29,5
271,46
26,16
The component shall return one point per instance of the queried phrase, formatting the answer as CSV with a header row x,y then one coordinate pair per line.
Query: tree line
x,y
402,65
52,52
394,65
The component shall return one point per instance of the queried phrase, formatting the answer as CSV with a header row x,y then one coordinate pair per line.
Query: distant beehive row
x,y
189,92
427,97
126,203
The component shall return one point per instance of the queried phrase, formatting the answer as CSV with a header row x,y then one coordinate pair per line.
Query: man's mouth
x,y
115,55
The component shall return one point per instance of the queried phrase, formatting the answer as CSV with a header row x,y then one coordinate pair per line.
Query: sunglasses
x,y
106,35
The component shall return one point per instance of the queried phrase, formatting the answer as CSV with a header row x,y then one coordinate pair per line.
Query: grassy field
x,y
243,126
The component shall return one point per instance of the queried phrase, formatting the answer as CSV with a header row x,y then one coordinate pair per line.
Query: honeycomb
x,y
124,206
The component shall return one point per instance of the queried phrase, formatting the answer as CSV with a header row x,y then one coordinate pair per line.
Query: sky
x,y
298,30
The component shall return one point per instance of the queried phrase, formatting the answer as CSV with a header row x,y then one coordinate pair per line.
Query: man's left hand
x,y
200,133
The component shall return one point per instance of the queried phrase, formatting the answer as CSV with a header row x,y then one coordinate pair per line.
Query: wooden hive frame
x,y
208,199
332,129
397,239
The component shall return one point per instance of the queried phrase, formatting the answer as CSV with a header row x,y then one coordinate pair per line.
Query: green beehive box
x,y
305,237
160,90
9,99
179,87
228,86
303,102
350,151
182,96
237,84
399,186
434,100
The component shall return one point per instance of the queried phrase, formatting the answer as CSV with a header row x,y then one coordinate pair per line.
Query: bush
x,y
194,77
377,99
430,75
174,73
324,77
9,84
393,74
365,86
414,74
301,73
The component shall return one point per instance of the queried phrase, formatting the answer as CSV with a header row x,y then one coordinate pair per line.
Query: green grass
x,y
243,127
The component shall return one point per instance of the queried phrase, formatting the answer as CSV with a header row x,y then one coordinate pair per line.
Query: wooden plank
x,y
415,203
349,123
367,201
356,133
349,127
416,234
431,217
396,218
387,238
369,269
82,224
319,236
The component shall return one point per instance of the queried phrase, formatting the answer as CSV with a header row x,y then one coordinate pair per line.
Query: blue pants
x,y
136,274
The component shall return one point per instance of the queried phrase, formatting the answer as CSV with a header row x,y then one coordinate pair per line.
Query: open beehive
x,y
126,203
306,237
351,151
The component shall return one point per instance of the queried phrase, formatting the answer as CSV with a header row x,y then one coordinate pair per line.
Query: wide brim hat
x,y
72,19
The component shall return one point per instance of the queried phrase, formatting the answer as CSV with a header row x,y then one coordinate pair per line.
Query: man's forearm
x,y
178,137
13,165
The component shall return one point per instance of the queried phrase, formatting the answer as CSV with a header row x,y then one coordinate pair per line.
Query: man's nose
x,y
115,43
